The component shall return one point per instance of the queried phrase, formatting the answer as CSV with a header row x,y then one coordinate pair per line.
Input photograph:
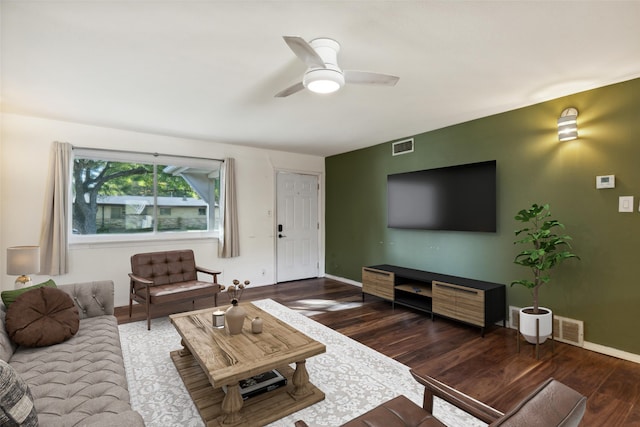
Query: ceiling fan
x,y
323,74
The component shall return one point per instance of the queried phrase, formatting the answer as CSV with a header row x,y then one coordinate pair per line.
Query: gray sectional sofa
x,y
81,381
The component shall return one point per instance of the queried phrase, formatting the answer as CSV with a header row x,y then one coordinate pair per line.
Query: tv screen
x,y
457,198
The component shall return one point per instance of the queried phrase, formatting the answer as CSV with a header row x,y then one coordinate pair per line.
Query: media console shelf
x,y
470,301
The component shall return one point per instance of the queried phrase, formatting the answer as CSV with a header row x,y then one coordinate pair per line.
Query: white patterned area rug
x,y
353,377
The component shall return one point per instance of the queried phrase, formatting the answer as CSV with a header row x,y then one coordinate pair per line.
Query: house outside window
x,y
126,196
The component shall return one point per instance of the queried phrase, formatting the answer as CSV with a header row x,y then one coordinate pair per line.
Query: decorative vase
x,y
528,324
256,325
234,318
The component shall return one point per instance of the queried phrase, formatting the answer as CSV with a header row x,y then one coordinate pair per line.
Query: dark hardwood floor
x,y
489,369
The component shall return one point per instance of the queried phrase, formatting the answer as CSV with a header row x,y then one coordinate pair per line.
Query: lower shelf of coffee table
x,y
256,411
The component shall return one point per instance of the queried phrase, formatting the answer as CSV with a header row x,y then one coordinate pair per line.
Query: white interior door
x,y
297,226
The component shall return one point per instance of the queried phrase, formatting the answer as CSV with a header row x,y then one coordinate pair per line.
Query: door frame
x,y
321,235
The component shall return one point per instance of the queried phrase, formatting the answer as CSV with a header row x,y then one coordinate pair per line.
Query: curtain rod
x,y
144,152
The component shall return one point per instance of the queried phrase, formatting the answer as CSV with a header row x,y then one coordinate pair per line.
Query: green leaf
x,y
548,249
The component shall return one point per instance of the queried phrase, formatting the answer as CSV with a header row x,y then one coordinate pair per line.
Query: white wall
x,y
25,146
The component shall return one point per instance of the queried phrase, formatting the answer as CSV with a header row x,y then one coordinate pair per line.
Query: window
x,y
148,196
117,212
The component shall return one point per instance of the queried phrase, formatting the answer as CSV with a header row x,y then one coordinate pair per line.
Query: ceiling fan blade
x,y
304,51
290,90
368,78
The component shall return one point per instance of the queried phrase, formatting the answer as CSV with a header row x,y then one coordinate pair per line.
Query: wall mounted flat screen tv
x,y
456,198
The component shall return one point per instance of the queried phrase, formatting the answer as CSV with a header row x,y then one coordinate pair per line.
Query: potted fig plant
x,y
546,249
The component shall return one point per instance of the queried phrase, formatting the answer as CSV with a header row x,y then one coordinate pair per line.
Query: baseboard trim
x,y
610,351
343,280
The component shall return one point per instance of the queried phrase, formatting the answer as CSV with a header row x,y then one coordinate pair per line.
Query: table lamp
x,y
22,261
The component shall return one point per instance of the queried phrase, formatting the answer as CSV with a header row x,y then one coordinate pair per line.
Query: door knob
x,y
280,236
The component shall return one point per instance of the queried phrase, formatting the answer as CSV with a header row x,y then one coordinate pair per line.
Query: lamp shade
x,y
22,260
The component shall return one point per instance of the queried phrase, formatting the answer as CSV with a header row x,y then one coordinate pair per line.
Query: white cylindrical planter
x,y
528,324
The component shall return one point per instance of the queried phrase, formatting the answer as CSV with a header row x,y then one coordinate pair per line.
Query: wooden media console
x,y
471,301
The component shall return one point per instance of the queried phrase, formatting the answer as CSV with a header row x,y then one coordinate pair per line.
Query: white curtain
x,y
53,236
228,242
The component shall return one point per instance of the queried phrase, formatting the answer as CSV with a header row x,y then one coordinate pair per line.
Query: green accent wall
x,y
603,289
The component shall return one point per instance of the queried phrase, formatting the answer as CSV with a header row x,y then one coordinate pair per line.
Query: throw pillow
x,y
8,297
41,317
16,401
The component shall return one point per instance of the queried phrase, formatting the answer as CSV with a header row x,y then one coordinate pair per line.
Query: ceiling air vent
x,y
402,147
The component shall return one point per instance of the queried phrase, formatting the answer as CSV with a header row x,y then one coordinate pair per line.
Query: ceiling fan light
x,y
323,80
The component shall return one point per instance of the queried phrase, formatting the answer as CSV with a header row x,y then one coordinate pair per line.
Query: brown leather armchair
x,y
169,277
550,404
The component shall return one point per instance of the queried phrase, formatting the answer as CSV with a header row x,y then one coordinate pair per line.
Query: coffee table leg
x,y
185,351
231,405
301,384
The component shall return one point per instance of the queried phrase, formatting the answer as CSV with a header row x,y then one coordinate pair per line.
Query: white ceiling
x,y
209,69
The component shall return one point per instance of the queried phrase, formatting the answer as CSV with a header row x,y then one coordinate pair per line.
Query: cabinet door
x,y
378,282
470,305
444,300
459,302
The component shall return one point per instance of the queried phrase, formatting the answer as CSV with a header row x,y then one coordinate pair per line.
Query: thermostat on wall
x,y
606,181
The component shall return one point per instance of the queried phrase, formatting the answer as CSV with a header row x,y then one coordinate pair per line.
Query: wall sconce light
x,y
568,124
22,261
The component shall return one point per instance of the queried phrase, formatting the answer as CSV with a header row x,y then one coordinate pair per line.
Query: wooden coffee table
x,y
211,359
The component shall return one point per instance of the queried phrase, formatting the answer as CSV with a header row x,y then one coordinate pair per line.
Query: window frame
x,y
155,235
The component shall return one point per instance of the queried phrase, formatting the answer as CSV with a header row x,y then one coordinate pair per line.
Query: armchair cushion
x,y
551,404
165,267
397,412
195,287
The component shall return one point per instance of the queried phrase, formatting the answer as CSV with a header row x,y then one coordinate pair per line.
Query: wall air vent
x,y
402,147
568,330
514,317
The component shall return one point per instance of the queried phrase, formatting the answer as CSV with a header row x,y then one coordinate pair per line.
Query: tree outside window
x,y
119,197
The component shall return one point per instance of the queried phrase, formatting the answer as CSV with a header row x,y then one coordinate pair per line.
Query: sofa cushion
x,y
42,317
16,401
81,381
8,297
